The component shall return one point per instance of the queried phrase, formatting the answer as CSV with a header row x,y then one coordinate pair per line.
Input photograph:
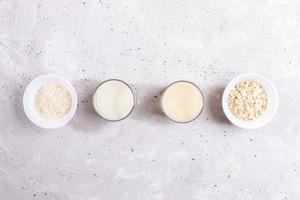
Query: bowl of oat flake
x,y
250,101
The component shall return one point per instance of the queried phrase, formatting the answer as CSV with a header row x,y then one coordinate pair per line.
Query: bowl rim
x,y
185,81
71,89
234,120
133,95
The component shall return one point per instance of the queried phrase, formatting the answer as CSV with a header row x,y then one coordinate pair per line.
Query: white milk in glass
x,y
113,100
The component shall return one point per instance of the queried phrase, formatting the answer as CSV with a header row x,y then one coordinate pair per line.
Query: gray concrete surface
x,y
149,44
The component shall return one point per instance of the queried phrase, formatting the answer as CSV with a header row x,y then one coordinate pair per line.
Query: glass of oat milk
x,y
182,101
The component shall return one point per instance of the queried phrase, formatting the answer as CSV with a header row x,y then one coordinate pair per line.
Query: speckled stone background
x,y
149,44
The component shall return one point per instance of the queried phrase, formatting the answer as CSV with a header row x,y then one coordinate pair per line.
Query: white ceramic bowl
x,y
272,106
29,105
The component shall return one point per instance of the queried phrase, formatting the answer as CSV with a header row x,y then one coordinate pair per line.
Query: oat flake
x,y
247,100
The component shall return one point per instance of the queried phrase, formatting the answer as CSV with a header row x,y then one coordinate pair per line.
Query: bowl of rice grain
x,y
250,101
50,101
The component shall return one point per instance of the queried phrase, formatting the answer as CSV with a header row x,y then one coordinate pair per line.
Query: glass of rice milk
x,y
113,100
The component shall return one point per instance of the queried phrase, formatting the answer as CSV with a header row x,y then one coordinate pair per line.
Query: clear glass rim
x,y
134,101
185,81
